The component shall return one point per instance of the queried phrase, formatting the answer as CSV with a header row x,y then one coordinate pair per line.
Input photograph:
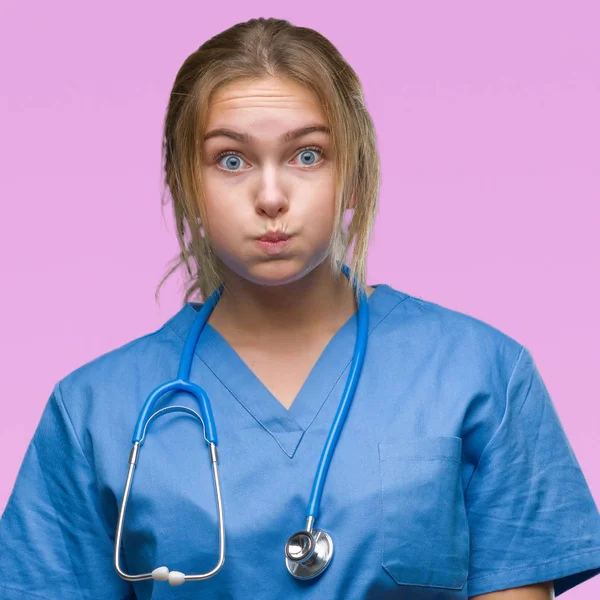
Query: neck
x,y
316,304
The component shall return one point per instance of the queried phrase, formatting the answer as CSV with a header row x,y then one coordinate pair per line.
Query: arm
x,y
532,517
536,591
54,539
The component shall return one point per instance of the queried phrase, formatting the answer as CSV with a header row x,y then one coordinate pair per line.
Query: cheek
x,y
224,212
319,211
224,222
326,193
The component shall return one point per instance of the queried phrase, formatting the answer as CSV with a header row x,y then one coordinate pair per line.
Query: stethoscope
x,y
308,552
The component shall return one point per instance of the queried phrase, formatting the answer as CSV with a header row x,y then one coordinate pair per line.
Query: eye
x,y
233,159
305,153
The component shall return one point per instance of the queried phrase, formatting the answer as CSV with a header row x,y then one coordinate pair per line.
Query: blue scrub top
x,y
452,477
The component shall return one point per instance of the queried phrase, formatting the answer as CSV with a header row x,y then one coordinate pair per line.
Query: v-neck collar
x,y
286,426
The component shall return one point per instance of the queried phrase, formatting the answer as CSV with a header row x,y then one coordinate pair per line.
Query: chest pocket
x,y
425,528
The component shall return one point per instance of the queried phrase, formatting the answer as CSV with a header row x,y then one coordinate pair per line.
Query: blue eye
x,y
307,152
233,160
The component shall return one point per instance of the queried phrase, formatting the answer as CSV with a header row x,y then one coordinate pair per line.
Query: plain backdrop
x,y
488,125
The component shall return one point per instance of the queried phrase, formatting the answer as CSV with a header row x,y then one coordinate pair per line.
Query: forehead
x,y
259,101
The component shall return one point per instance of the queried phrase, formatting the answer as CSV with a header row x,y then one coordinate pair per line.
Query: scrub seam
x,y
501,421
60,400
300,431
22,593
58,395
344,369
229,390
421,457
525,568
37,596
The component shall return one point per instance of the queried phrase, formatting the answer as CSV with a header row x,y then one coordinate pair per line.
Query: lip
x,y
274,236
273,245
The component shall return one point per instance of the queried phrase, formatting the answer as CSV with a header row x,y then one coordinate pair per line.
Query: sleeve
x,y
54,542
531,514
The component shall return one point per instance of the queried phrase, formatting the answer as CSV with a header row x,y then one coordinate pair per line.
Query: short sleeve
x,y
53,540
531,514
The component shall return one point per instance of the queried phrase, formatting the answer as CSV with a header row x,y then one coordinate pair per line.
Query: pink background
x,y
488,126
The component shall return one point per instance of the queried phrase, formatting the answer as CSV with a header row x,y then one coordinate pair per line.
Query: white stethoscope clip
x,y
173,577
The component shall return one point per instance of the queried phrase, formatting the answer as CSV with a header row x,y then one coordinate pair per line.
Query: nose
x,y
271,197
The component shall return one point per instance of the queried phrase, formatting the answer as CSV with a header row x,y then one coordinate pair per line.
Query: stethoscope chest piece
x,y
308,554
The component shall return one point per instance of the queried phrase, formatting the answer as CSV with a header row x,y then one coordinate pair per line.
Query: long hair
x,y
261,48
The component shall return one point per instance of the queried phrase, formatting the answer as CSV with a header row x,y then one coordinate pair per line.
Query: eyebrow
x,y
286,137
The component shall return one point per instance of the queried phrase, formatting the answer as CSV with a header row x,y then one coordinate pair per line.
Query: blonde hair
x,y
262,48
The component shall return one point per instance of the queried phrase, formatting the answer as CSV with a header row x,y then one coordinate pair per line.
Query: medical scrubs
x,y
452,477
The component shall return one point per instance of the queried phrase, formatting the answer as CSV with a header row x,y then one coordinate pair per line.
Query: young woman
x,y
355,442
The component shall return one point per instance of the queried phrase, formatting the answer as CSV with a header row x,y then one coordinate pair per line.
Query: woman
x,y
452,477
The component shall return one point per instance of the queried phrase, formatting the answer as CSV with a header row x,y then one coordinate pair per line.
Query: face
x,y
257,180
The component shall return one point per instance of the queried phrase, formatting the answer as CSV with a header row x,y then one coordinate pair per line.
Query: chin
x,y
275,272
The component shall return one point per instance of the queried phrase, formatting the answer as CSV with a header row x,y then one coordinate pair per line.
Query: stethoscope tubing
x,y
182,383
360,348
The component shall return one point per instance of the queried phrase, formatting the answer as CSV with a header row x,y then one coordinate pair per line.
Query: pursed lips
x,y
274,236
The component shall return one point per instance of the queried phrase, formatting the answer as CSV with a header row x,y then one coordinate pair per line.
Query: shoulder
x,y
434,324
132,368
469,359
462,365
